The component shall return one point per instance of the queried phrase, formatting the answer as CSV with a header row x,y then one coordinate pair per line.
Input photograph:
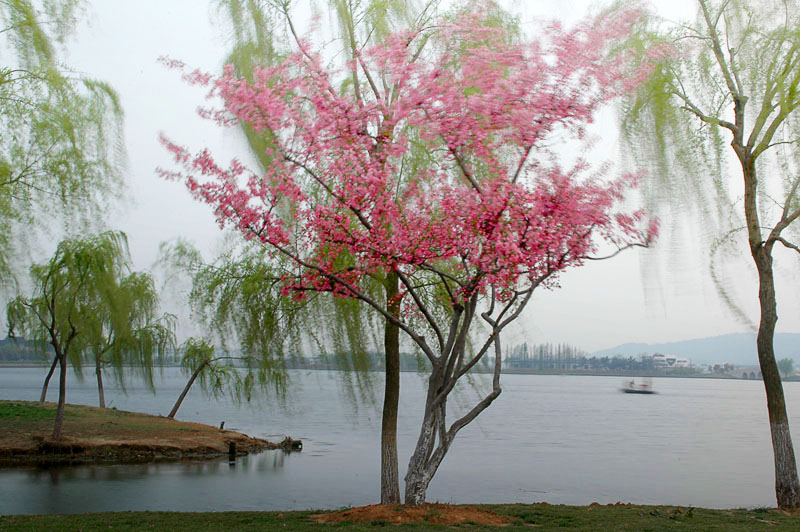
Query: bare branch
x,y
358,294
617,252
486,401
788,244
692,108
521,164
717,47
422,308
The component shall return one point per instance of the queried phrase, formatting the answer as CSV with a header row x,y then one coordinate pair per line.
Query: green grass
x,y
539,517
25,411
34,416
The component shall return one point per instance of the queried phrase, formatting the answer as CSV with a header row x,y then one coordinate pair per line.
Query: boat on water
x,y
643,387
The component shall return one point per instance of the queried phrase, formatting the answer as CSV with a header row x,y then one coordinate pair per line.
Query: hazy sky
x,y
659,295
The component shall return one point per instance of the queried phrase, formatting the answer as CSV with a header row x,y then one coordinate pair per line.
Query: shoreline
x,y
506,371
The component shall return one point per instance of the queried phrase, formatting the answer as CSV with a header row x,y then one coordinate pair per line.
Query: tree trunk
x,y
417,477
390,482
428,455
62,396
47,380
186,390
787,486
99,371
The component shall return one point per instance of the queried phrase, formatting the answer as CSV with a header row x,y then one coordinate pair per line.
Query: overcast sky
x,y
660,295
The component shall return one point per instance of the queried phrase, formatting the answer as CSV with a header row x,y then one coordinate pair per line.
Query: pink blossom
x,y
445,170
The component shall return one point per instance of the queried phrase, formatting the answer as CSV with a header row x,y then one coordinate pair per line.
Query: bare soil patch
x,y
103,434
435,514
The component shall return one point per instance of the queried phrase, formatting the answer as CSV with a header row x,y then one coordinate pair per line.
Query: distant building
x,y
670,361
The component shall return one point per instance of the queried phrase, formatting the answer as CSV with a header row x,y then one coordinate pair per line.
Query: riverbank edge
x,y
544,517
111,436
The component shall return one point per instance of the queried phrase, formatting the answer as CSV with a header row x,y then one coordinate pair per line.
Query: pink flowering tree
x,y
435,166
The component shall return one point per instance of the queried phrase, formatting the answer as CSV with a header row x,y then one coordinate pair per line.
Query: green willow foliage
x,y
89,308
218,375
676,122
130,334
238,299
60,134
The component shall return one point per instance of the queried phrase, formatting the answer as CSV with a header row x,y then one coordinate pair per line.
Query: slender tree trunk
x,y
186,389
390,482
47,380
99,371
62,396
787,486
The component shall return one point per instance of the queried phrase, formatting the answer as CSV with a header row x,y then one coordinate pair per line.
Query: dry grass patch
x,y
435,514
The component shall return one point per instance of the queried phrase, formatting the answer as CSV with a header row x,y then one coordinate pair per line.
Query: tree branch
x,y
788,244
422,307
617,252
717,48
358,294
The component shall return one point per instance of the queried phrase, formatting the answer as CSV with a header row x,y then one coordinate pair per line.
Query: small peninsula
x,y
108,435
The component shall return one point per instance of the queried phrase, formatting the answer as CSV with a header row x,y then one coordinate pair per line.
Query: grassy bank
x,y
108,434
540,517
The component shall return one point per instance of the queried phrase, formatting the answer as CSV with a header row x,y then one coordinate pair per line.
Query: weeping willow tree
x,y
720,117
83,305
128,333
60,133
219,374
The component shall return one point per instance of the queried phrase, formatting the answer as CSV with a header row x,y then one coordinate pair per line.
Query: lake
x,y
559,439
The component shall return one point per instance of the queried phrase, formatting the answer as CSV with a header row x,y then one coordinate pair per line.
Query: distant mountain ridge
x,y
738,349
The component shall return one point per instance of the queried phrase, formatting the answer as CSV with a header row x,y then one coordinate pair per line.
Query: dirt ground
x,y
435,514
91,433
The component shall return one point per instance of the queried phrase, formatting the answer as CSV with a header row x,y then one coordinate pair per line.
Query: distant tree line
x,y
568,357
374,361
20,350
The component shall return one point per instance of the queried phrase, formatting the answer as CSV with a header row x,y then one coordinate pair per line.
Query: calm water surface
x,y
560,439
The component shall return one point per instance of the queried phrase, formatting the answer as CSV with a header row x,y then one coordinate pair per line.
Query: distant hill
x,y
738,349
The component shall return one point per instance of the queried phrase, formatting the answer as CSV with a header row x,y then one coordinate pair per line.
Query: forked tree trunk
x,y
62,397
787,487
435,436
43,397
186,389
99,371
390,481
429,453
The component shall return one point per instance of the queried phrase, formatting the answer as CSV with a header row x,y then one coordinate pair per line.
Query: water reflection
x,y
56,474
